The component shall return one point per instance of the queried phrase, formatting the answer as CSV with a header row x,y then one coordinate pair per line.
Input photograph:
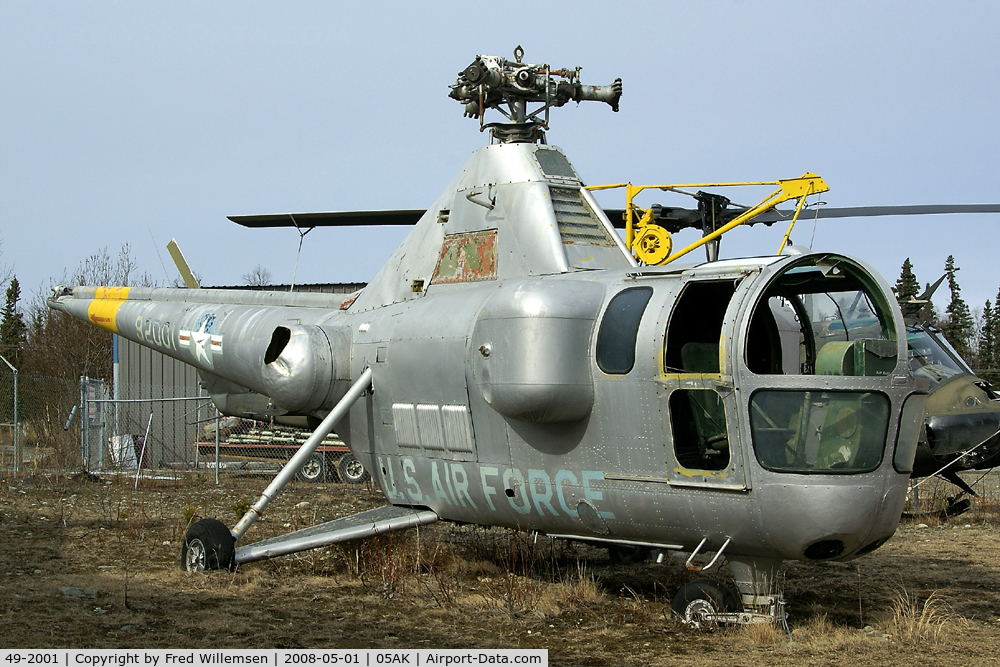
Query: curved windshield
x,y
930,355
827,317
819,431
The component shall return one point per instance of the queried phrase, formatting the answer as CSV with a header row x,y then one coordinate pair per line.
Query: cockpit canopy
x,y
931,357
825,316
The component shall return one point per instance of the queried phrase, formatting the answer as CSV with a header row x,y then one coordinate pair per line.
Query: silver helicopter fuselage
x,y
527,373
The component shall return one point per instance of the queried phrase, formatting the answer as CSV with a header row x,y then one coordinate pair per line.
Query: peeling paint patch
x,y
467,258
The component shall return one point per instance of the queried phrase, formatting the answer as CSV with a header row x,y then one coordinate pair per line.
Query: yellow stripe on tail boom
x,y
103,309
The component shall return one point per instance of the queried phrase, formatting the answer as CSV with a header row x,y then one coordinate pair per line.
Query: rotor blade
x,y
675,219
331,219
671,218
870,211
616,216
182,266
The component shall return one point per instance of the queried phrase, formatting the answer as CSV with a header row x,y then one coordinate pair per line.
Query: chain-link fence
x,y
61,426
10,431
148,427
55,425
34,433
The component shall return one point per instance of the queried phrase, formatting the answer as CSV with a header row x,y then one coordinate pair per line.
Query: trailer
x,y
243,441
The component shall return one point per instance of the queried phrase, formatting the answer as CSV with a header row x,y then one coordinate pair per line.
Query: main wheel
x,y
208,545
312,469
699,601
351,470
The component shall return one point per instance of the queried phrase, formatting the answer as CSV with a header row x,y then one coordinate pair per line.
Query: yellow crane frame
x,y
651,243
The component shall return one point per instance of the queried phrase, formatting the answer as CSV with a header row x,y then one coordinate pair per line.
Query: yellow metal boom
x,y
651,243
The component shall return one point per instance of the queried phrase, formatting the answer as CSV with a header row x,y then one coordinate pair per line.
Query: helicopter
x,y
517,363
961,429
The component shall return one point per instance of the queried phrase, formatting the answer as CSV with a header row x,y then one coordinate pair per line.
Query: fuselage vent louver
x,y
578,224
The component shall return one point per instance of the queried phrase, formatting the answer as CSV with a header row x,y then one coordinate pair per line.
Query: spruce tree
x,y
987,344
959,327
13,331
994,351
907,287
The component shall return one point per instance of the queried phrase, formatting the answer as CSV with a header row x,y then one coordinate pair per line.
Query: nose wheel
x,y
704,603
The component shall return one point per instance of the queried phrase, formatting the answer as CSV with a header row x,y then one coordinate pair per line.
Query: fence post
x,y
115,382
84,407
17,428
102,446
217,446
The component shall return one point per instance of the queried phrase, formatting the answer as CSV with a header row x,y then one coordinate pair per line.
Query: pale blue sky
x,y
122,120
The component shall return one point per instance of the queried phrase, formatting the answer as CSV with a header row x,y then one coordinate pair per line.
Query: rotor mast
x,y
492,82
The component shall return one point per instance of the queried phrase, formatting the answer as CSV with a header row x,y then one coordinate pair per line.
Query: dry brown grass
x,y
759,634
913,621
460,587
818,633
581,588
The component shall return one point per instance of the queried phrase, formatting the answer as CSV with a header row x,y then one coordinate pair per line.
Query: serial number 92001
x,y
32,659
326,659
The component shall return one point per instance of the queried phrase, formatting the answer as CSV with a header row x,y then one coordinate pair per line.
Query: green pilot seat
x,y
706,405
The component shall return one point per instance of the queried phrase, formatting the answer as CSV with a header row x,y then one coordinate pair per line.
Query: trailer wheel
x,y
312,469
208,545
351,470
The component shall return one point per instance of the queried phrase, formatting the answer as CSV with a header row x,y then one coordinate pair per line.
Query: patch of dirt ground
x,y
96,565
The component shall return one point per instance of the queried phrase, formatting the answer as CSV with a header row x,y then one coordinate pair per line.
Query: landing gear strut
x,y
209,545
705,603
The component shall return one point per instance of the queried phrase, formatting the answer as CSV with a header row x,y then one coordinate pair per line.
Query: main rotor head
x,y
492,82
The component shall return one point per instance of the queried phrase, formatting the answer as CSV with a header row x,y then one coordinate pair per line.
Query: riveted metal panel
x,y
533,339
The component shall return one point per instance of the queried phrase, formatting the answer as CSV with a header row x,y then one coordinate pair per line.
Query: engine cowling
x,y
531,348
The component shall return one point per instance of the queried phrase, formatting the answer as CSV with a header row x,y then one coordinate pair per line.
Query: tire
x,y
208,545
313,470
701,598
351,470
627,554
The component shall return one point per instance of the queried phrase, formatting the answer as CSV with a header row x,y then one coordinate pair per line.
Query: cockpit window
x,y
819,431
619,329
692,340
931,357
699,429
824,318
